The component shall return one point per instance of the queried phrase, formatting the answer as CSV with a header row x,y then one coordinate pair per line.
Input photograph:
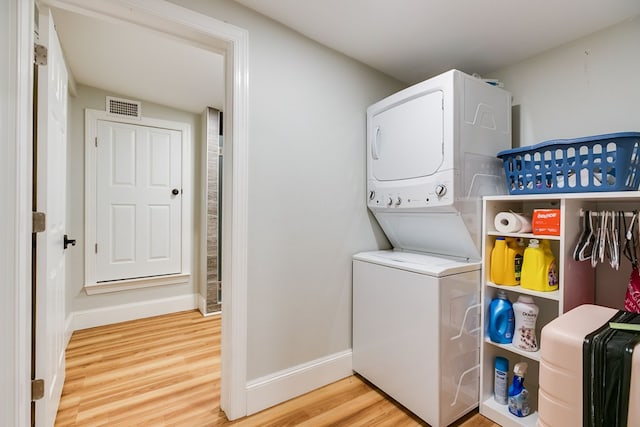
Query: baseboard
x,y
276,388
124,312
202,304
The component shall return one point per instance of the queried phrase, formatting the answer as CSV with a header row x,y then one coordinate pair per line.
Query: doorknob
x,y
175,191
68,241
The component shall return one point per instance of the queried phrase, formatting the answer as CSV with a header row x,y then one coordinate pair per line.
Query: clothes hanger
x,y
630,251
584,247
604,234
598,245
614,243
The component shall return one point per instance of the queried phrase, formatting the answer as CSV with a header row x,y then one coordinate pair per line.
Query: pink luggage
x,y
560,392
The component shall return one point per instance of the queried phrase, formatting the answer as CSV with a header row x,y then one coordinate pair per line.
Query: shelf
x,y
577,281
605,196
524,235
533,355
501,415
553,295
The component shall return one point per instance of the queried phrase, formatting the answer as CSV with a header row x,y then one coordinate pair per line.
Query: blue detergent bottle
x,y
518,395
501,320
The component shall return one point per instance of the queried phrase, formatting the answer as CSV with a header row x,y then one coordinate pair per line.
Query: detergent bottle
x,y
501,320
539,267
525,312
503,262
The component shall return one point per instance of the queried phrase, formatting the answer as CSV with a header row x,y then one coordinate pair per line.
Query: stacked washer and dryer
x,y
431,156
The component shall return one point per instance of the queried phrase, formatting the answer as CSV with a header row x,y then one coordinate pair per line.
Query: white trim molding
x,y
16,91
233,42
138,283
272,389
124,312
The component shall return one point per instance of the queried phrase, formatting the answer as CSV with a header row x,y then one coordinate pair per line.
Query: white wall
x,y
586,87
77,300
307,212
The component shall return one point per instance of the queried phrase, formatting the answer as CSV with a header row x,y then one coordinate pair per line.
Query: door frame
x,y
233,43
16,68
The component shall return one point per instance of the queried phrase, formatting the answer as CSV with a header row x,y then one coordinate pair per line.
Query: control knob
x,y
440,190
398,201
389,201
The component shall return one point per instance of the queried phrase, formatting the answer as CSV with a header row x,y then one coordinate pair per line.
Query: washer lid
x,y
418,263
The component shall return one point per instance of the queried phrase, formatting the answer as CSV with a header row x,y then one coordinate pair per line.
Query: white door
x,y
51,199
138,201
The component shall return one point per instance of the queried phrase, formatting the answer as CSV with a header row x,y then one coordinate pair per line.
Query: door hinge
x,y
37,389
96,248
39,54
38,222
96,141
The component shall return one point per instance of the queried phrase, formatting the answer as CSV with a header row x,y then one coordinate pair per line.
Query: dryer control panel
x,y
430,193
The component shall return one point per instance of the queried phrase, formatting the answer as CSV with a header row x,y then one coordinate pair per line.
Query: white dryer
x,y
431,155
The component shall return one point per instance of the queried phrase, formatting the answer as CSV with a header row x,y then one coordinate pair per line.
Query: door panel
x,y
406,141
51,199
138,217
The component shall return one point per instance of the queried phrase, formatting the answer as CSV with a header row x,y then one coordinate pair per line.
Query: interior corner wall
x,y
307,211
586,87
76,298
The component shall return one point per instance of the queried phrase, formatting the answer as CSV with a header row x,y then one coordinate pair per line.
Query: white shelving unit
x,y
576,285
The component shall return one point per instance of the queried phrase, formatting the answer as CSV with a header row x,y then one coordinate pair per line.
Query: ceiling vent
x,y
124,107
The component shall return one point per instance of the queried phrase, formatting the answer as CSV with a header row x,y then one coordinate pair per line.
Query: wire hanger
x,y
584,247
630,251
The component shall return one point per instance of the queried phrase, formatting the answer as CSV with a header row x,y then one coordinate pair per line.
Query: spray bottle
x,y
518,395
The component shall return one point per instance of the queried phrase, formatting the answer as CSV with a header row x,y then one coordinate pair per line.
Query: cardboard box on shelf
x,y
546,222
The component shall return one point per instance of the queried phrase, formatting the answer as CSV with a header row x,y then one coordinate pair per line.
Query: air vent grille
x,y
123,107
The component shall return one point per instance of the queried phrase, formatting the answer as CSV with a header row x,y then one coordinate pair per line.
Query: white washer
x,y
416,324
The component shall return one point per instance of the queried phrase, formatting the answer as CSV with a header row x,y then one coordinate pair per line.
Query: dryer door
x,y
406,140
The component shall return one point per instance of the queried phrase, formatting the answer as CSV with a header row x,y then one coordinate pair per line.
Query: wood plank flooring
x,y
165,371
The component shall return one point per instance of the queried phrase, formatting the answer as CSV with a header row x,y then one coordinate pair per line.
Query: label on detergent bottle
x,y
519,404
552,276
517,262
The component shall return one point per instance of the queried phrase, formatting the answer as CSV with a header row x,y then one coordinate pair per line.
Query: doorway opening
x,y
200,30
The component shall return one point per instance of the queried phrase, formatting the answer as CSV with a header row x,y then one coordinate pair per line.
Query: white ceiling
x,y
411,40
140,64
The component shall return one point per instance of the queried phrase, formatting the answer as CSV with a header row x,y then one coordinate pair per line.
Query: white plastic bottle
x,y
500,382
525,312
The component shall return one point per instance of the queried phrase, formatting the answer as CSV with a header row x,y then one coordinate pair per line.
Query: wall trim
x,y
16,90
121,313
273,389
202,307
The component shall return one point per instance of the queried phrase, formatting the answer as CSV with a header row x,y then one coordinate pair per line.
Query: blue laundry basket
x,y
590,164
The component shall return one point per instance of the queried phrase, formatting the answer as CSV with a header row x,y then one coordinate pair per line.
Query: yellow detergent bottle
x,y
503,262
539,267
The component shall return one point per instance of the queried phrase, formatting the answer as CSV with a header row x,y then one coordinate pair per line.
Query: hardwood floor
x,y
165,371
